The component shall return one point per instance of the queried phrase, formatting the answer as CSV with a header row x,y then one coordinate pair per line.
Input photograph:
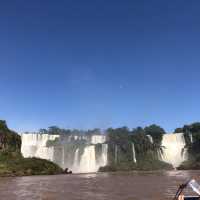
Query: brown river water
x,y
100,186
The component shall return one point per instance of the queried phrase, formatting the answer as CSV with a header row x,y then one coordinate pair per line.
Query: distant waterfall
x,y
77,153
116,152
44,152
76,158
150,138
173,149
104,155
134,155
35,145
191,138
88,160
63,156
98,139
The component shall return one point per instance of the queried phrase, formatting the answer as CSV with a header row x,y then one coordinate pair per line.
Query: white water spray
x,y
173,149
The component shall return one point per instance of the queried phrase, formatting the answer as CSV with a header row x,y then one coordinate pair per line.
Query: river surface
x,y
100,186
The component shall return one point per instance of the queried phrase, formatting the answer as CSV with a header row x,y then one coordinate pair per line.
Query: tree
x,y
54,130
3,125
178,130
119,138
193,146
9,140
43,131
156,132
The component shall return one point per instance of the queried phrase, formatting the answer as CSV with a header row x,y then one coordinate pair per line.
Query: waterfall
x,y
116,151
173,149
75,167
63,157
44,152
98,139
88,160
191,138
77,153
35,145
104,155
150,138
134,155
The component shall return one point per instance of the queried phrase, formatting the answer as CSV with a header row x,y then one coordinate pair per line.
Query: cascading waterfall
x,y
150,138
116,152
74,152
173,149
104,155
98,139
35,145
134,155
191,138
88,160
76,161
63,156
45,153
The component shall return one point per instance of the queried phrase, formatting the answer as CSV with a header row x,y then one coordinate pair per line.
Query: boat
x,y
195,187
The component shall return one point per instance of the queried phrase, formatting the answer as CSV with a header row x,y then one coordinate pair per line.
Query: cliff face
x,y
9,140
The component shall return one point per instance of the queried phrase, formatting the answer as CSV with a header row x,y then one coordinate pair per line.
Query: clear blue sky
x,y
96,63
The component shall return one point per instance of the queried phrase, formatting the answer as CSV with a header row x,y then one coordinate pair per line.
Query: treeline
x,y
55,130
123,138
154,130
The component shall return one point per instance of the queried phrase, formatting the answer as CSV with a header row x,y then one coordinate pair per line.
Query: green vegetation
x,y
146,165
156,132
55,130
120,152
13,164
191,164
192,137
11,161
9,140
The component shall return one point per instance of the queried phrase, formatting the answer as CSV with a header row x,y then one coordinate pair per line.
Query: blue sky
x,y
86,64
